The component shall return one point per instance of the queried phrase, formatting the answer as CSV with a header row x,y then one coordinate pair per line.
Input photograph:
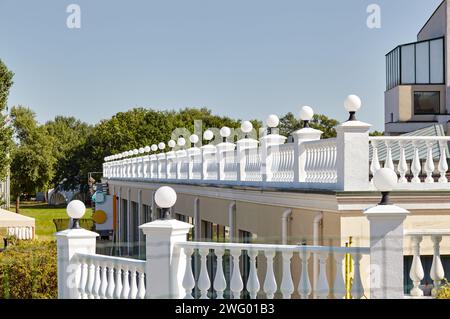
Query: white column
x,y
68,243
165,263
386,251
303,135
232,220
241,146
267,141
221,149
353,156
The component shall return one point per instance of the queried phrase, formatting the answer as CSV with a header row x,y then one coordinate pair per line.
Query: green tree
x,y
6,81
289,124
69,139
32,156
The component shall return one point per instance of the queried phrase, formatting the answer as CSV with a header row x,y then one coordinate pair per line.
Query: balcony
x,y
417,63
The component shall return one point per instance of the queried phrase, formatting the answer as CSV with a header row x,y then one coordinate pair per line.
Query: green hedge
x,y
28,270
63,223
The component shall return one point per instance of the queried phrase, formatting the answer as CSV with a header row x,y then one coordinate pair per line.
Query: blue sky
x,y
245,59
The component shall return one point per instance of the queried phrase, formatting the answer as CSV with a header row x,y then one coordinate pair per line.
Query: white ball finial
x,y
181,141
165,197
154,147
352,103
225,131
208,135
141,150
306,113
147,149
385,179
246,127
193,138
172,143
161,146
135,151
272,121
76,209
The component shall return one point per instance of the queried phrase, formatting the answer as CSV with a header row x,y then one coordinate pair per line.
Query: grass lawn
x,y
44,215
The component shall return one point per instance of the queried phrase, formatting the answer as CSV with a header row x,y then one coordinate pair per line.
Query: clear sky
x,y
241,58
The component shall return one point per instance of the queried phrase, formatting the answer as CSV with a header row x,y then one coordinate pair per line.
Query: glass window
x,y
408,59
422,63
437,61
426,102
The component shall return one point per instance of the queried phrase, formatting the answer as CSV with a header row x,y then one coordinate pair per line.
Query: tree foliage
x,y
32,157
6,81
289,124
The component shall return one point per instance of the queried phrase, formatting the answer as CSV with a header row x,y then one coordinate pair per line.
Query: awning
x,y
17,225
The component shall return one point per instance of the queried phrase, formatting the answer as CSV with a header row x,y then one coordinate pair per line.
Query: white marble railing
x,y
105,277
437,270
419,162
270,287
252,166
280,158
320,164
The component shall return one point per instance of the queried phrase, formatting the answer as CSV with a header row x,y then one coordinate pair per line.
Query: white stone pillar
x,y
303,135
266,142
165,262
386,251
353,156
242,145
68,243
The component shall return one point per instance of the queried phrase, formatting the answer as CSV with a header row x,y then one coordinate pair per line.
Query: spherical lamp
x,y
141,150
306,115
162,146
246,127
147,149
208,135
154,147
272,121
76,209
165,198
135,151
385,180
352,104
193,139
172,143
225,132
181,141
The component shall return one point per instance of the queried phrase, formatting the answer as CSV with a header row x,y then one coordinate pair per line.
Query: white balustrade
x,y
230,166
420,161
417,273
105,277
320,164
269,288
280,159
252,165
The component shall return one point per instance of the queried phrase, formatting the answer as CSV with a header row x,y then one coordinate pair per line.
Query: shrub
x,y
28,270
444,291
63,223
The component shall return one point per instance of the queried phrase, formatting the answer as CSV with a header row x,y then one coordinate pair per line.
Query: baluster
x,y
415,165
388,163
270,284
133,283
339,290
402,165
111,285
416,273
118,291
357,287
429,164
188,279
104,284
203,281
220,283
437,271
322,290
126,283
141,285
287,285
236,284
91,278
83,279
304,286
97,282
443,166
253,282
